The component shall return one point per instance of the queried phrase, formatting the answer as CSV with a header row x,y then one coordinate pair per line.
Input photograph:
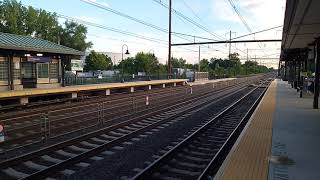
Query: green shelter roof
x,y
28,43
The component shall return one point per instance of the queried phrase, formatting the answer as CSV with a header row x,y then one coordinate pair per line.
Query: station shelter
x,y
28,62
300,48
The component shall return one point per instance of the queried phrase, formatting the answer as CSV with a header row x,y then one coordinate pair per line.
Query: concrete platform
x,y
280,142
22,96
210,81
39,91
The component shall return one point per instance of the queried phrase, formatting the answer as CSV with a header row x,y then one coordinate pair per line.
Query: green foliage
x,y
128,66
178,63
18,19
233,67
182,63
204,65
163,69
96,61
74,35
142,62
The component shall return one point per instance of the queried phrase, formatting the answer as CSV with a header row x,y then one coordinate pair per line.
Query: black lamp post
x,y
127,52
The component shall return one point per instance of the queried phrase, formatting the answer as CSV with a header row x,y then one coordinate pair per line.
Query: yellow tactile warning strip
x,y
249,160
35,91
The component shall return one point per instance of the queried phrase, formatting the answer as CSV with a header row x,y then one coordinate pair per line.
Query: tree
x,y
163,68
146,62
11,17
18,19
178,63
127,66
204,65
74,36
96,61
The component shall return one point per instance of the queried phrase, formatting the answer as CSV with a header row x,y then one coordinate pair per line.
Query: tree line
x,y
148,63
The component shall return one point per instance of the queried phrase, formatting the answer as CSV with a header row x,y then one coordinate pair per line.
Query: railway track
x,y
200,155
80,151
16,116
22,127
83,119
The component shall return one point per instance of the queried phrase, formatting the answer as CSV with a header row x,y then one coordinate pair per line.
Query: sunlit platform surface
x,y
280,142
91,87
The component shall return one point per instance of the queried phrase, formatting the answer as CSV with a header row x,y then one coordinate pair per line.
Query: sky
x,y
216,17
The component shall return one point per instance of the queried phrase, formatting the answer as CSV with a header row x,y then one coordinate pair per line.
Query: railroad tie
x,y
35,166
51,159
85,143
67,172
76,148
14,173
64,153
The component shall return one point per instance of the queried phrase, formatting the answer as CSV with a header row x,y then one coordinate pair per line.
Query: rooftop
x,y
28,43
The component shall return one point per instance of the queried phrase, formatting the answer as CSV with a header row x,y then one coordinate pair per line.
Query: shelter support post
x,y
10,72
279,67
316,76
285,70
299,73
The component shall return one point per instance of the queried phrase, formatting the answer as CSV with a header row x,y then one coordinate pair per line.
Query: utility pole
x,y
255,63
230,46
199,61
246,63
230,34
169,53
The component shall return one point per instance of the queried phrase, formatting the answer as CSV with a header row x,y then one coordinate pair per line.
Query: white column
x,y
74,95
131,89
174,84
163,85
24,100
149,87
108,92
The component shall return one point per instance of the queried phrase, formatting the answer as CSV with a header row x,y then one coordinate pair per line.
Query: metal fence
x,y
70,81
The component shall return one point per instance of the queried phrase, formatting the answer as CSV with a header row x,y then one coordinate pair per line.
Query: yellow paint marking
x,y
249,161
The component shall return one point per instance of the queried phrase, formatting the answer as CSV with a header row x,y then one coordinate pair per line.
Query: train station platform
x,y
280,142
73,91
201,82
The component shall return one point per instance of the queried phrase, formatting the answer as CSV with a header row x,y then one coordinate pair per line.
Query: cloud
x,y
222,11
257,13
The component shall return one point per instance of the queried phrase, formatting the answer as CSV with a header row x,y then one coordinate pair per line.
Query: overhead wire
x,y
179,14
98,5
242,19
101,6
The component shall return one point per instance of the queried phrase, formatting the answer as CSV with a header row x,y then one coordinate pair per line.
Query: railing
x,y
70,81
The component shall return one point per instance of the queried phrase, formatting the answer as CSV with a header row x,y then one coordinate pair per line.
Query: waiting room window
x,y
43,70
3,69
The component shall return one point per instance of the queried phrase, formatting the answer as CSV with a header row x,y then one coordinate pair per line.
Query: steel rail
x,y
69,142
148,171
33,126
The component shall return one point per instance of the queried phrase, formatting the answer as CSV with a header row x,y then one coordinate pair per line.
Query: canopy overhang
x,y
301,26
